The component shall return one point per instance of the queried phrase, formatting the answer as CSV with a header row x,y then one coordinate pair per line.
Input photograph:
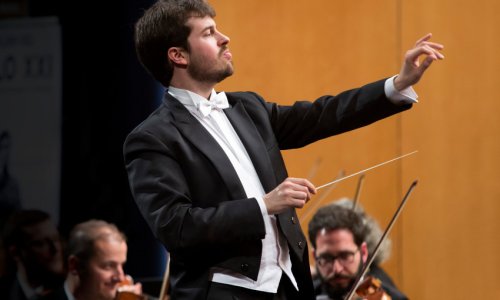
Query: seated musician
x,y
338,236
96,254
34,255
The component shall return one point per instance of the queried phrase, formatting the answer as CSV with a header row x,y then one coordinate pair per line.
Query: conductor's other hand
x,y
413,67
293,192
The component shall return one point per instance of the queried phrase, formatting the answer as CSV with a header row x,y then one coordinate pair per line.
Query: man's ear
x,y
73,265
177,56
364,251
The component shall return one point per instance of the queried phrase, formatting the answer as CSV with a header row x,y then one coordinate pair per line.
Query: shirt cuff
x,y
262,205
406,96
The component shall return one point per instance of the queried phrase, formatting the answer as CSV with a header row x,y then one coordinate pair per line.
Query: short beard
x,y
336,292
202,73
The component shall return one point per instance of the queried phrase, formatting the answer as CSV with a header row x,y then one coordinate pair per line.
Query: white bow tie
x,y
217,101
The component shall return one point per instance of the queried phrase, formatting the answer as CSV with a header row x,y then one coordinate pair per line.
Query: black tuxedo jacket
x,y
192,199
10,288
57,294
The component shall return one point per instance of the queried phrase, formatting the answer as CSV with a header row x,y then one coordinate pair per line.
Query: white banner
x,y
30,109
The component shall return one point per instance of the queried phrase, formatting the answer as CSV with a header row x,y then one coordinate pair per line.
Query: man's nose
x,y
223,39
337,267
119,275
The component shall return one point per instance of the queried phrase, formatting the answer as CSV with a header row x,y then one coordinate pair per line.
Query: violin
x,y
125,295
371,289
127,291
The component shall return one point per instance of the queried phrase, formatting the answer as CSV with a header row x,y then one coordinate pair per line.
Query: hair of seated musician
x,y
374,231
83,236
334,217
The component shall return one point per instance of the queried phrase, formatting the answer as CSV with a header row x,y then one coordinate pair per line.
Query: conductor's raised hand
x,y
414,65
293,192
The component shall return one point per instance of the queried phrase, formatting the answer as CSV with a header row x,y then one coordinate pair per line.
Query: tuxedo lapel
x,y
251,139
204,142
258,152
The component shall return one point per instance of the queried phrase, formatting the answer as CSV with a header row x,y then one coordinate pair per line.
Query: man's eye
x,y
108,266
327,258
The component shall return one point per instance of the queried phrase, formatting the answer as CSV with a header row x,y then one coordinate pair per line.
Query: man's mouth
x,y
340,280
226,54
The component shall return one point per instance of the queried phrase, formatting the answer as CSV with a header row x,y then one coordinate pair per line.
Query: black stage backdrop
x,y
105,94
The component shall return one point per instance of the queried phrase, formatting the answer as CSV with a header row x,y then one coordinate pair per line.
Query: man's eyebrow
x,y
208,27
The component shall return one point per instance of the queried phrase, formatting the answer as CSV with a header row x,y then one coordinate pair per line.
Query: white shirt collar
x,y
187,97
197,103
67,291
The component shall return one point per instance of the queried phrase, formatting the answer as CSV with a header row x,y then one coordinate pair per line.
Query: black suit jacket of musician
x,y
191,197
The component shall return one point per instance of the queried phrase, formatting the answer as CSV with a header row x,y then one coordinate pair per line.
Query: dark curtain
x,y
105,94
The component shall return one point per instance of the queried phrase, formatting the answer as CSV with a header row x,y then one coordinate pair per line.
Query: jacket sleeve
x,y
305,122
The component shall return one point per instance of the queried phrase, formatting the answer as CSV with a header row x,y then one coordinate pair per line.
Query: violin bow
x,y
164,285
358,191
386,232
314,169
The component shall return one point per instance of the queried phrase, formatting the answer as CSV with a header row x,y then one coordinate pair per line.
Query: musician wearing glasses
x,y
338,238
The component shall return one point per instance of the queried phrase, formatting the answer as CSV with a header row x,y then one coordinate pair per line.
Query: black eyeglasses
x,y
344,258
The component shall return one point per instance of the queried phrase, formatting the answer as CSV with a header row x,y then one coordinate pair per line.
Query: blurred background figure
x,y
96,255
339,237
10,199
34,264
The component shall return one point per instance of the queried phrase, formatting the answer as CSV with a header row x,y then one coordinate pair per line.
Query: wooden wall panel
x,y
451,241
293,50
445,243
